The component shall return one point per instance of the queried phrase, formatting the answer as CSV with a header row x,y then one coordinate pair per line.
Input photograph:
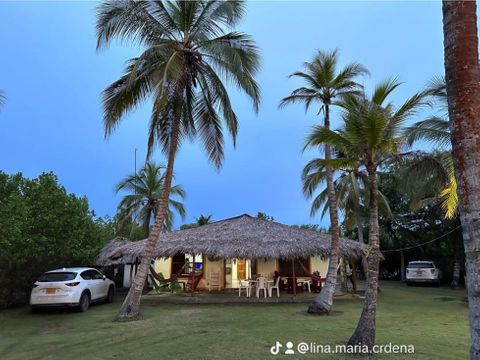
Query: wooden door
x,y
241,269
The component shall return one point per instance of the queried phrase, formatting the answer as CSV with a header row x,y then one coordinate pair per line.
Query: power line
x,y
426,242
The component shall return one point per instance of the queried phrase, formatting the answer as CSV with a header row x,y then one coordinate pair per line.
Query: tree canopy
x,y
43,227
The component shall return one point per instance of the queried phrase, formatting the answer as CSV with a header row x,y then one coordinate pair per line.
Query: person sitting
x,y
316,284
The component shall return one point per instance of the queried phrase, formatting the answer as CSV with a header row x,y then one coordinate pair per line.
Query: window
x,y
57,276
91,275
420,265
97,275
86,275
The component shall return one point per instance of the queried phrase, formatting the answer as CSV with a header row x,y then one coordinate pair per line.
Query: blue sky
x,y
53,77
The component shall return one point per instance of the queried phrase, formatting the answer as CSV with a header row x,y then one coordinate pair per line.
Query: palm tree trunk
x,y
402,266
360,239
131,305
456,272
322,304
146,220
364,334
463,89
359,226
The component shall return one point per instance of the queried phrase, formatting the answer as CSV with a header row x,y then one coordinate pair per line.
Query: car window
x,y
89,275
420,265
57,276
97,275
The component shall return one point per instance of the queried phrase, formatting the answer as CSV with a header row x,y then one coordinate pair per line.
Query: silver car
x,y
423,272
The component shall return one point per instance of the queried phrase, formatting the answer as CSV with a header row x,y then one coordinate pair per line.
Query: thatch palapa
x,y
243,237
116,243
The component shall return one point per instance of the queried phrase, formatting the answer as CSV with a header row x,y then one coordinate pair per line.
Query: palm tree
x,y
429,179
462,73
145,190
325,84
351,189
438,166
371,134
204,220
200,221
190,51
436,171
264,216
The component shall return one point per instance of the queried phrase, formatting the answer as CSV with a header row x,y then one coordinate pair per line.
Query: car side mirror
x,y
104,277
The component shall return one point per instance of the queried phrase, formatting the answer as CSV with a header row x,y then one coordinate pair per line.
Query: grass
x,y
434,320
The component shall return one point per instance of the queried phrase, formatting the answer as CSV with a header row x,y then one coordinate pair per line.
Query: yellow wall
x,y
319,264
266,268
211,267
163,266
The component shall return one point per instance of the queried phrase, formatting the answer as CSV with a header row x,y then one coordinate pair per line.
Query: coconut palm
x,y
371,134
439,166
435,171
204,220
199,221
429,179
264,216
190,50
325,84
145,190
462,73
351,189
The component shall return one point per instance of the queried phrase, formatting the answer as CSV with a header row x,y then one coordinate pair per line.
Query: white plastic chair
x,y
308,282
261,286
241,286
275,285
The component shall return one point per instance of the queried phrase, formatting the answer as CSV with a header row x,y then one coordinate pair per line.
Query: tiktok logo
x,y
275,349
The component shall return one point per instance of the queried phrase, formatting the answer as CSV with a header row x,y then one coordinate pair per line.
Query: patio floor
x,y
230,296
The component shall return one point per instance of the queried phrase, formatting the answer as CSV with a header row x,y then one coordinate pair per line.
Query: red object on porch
x,y
173,278
317,280
193,280
291,289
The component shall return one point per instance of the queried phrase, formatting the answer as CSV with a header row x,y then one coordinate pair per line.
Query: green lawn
x,y
434,320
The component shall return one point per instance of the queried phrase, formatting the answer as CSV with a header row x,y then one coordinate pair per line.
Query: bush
x,y
42,227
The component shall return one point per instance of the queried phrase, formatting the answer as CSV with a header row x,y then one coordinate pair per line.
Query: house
x,y
237,248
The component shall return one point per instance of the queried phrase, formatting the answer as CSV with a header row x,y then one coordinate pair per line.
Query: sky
x,y
53,77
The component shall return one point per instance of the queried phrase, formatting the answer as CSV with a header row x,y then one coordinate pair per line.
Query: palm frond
x,y
209,128
434,130
383,90
320,135
132,21
190,47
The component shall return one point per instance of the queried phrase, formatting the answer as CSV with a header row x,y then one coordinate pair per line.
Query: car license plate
x,y
50,290
419,272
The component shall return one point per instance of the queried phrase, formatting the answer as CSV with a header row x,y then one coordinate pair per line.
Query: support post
x,y
294,283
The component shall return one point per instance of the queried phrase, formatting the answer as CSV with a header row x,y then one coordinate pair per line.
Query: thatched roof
x,y
118,242
241,237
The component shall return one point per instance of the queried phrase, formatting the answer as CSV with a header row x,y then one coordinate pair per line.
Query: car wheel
x,y
110,295
84,302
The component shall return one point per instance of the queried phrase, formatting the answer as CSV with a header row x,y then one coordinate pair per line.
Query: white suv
x,y
71,287
422,272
